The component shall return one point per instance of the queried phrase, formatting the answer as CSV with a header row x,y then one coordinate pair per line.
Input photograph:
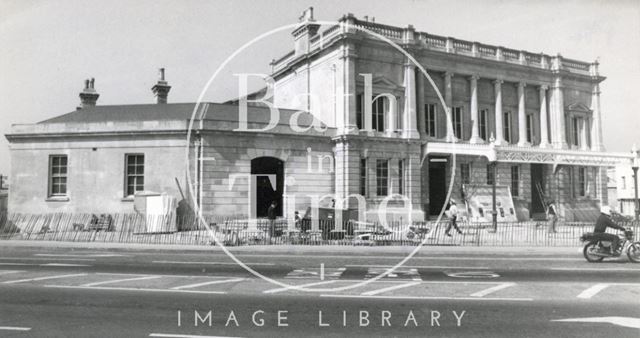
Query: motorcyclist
x,y
604,221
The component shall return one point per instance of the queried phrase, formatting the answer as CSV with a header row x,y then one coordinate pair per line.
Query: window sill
x,y
57,199
127,199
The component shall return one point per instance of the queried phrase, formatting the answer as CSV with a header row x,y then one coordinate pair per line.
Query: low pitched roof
x,y
173,111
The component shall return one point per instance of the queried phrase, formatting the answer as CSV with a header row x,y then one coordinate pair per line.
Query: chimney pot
x,y
88,96
161,89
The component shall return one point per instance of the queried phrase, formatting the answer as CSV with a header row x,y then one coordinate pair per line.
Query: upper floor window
x,y
430,120
57,175
483,124
515,180
506,126
457,121
382,177
624,182
134,171
529,128
359,112
378,111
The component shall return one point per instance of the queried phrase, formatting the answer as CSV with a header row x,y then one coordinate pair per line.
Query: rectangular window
x,y
489,174
430,120
58,175
378,111
515,180
464,173
483,125
382,177
529,128
400,177
582,181
359,112
575,131
624,182
457,122
506,126
134,169
363,176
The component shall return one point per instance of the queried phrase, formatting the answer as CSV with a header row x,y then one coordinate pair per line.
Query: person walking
x,y
271,215
552,217
453,215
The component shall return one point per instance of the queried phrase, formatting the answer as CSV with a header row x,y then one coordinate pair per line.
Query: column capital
x,y
498,82
522,84
544,87
448,74
475,77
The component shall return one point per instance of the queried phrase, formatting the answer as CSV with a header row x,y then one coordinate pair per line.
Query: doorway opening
x,y
537,189
268,190
437,184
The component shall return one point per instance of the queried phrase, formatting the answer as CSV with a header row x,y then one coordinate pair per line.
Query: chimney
x,y
161,89
304,32
88,96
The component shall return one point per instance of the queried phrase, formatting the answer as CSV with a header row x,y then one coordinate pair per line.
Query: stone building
x,y
386,135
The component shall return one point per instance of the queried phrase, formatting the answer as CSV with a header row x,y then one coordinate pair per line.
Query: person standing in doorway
x,y
552,217
453,215
271,215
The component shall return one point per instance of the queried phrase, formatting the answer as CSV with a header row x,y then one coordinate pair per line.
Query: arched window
x,y
379,111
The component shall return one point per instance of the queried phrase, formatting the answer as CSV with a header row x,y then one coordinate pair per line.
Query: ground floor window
x,y
401,177
57,175
465,173
489,174
134,171
363,176
382,177
582,182
515,180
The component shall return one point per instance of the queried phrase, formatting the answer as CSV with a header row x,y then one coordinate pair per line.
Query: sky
x,y
48,48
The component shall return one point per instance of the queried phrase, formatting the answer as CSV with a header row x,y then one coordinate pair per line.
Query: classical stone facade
x,y
392,136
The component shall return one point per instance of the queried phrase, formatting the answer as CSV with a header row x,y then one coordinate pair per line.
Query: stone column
x,y
596,125
544,132
475,138
409,116
420,102
448,99
584,127
556,106
498,111
349,85
522,117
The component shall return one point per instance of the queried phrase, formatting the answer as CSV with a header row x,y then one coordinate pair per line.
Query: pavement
x,y
54,289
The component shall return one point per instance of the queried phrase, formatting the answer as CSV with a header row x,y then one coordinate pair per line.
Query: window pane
x,y
140,169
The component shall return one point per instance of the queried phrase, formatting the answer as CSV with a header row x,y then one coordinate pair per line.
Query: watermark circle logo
x,y
195,125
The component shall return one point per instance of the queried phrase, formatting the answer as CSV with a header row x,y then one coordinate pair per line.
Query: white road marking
x,y
77,255
10,271
119,281
209,263
131,289
620,321
592,291
14,328
302,285
6,263
390,288
492,289
47,259
596,269
333,273
435,258
43,278
64,264
170,335
189,286
417,266
472,274
428,298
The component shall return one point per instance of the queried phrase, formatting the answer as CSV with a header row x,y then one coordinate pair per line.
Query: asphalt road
x,y
92,292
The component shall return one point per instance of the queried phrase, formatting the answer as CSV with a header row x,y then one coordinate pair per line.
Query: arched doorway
x,y
265,193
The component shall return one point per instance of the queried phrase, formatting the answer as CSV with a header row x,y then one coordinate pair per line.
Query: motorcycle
x,y
596,250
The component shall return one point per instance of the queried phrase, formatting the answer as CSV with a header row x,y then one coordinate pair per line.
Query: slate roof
x,y
172,111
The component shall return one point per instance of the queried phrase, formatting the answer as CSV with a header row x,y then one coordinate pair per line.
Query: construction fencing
x,y
134,228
